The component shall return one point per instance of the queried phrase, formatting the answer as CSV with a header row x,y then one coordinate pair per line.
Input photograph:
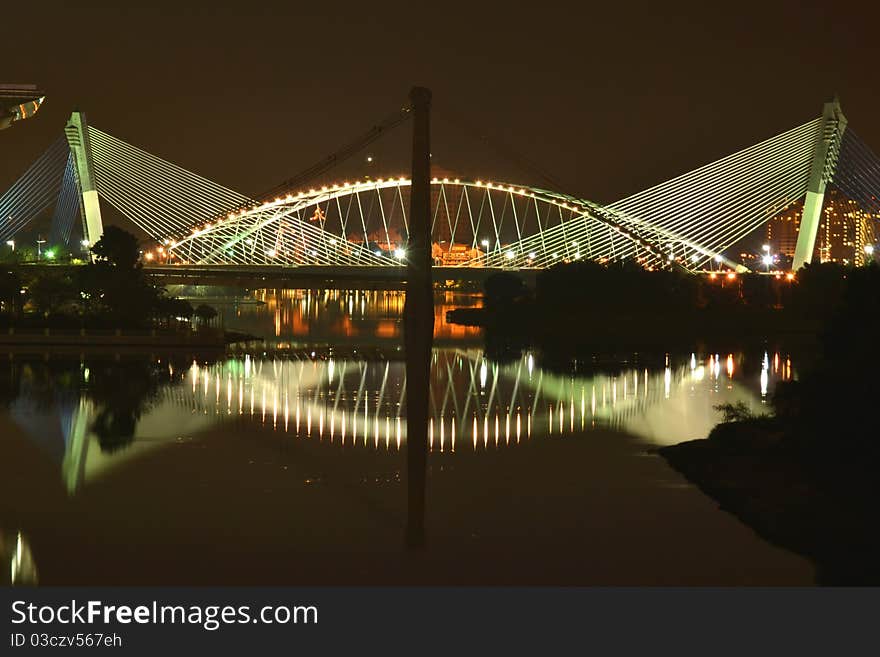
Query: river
x,y
282,460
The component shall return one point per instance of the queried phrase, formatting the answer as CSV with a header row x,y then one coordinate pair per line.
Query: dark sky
x,y
608,98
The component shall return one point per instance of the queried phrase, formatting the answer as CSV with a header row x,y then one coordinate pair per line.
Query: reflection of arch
x,y
366,223
474,404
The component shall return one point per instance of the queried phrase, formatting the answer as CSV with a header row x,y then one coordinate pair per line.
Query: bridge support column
x,y
90,208
824,165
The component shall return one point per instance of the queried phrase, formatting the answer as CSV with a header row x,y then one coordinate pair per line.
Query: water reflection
x,y
16,560
340,316
94,415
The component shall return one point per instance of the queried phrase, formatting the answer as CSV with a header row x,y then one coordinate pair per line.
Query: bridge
x,y
692,222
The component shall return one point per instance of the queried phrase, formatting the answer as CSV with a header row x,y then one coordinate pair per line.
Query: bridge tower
x,y
822,172
77,131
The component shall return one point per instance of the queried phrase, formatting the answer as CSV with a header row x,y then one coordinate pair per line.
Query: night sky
x,y
607,99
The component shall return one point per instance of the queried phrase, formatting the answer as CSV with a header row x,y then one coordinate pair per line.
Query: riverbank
x,y
55,337
821,505
563,333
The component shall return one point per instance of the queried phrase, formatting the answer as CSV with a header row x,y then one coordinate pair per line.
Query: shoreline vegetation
x,y
802,478
110,301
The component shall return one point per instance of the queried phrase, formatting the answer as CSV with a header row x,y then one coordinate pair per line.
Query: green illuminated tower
x,y
78,138
822,172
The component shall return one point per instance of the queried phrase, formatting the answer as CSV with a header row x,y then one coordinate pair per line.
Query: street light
x,y
869,249
11,244
766,248
40,243
767,260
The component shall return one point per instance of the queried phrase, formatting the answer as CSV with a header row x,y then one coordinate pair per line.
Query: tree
x,y
502,289
117,247
51,292
10,292
169,308
205,313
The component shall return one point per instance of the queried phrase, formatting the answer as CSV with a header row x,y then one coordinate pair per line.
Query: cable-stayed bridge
x,y
690,222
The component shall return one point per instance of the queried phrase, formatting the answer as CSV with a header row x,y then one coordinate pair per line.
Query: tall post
x,y
418,317
77,131
824,165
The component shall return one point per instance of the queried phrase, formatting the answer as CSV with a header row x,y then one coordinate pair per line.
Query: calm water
x,y
281,460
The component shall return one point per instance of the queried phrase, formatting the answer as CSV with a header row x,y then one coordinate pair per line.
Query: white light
x,y
694,258
378,252
718,258
532,254
271,253
509,255
485,243
766,248
671,257
399,254
767,259
869,249
332,242
369,158
86,242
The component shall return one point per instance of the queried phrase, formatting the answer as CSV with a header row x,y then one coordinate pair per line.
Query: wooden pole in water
x,y
418,317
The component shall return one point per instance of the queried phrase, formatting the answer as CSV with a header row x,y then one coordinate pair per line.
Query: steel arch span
x,y
474,224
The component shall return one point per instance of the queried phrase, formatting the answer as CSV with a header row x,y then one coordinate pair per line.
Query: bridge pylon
x,y
822,172
77,133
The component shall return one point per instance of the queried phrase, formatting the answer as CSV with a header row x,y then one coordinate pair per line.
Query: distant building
x,y
782,230
845,230
18,102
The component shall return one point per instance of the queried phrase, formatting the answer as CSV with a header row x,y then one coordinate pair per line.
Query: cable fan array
x,y
161,198
858,172
67,209
34,191
711,208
